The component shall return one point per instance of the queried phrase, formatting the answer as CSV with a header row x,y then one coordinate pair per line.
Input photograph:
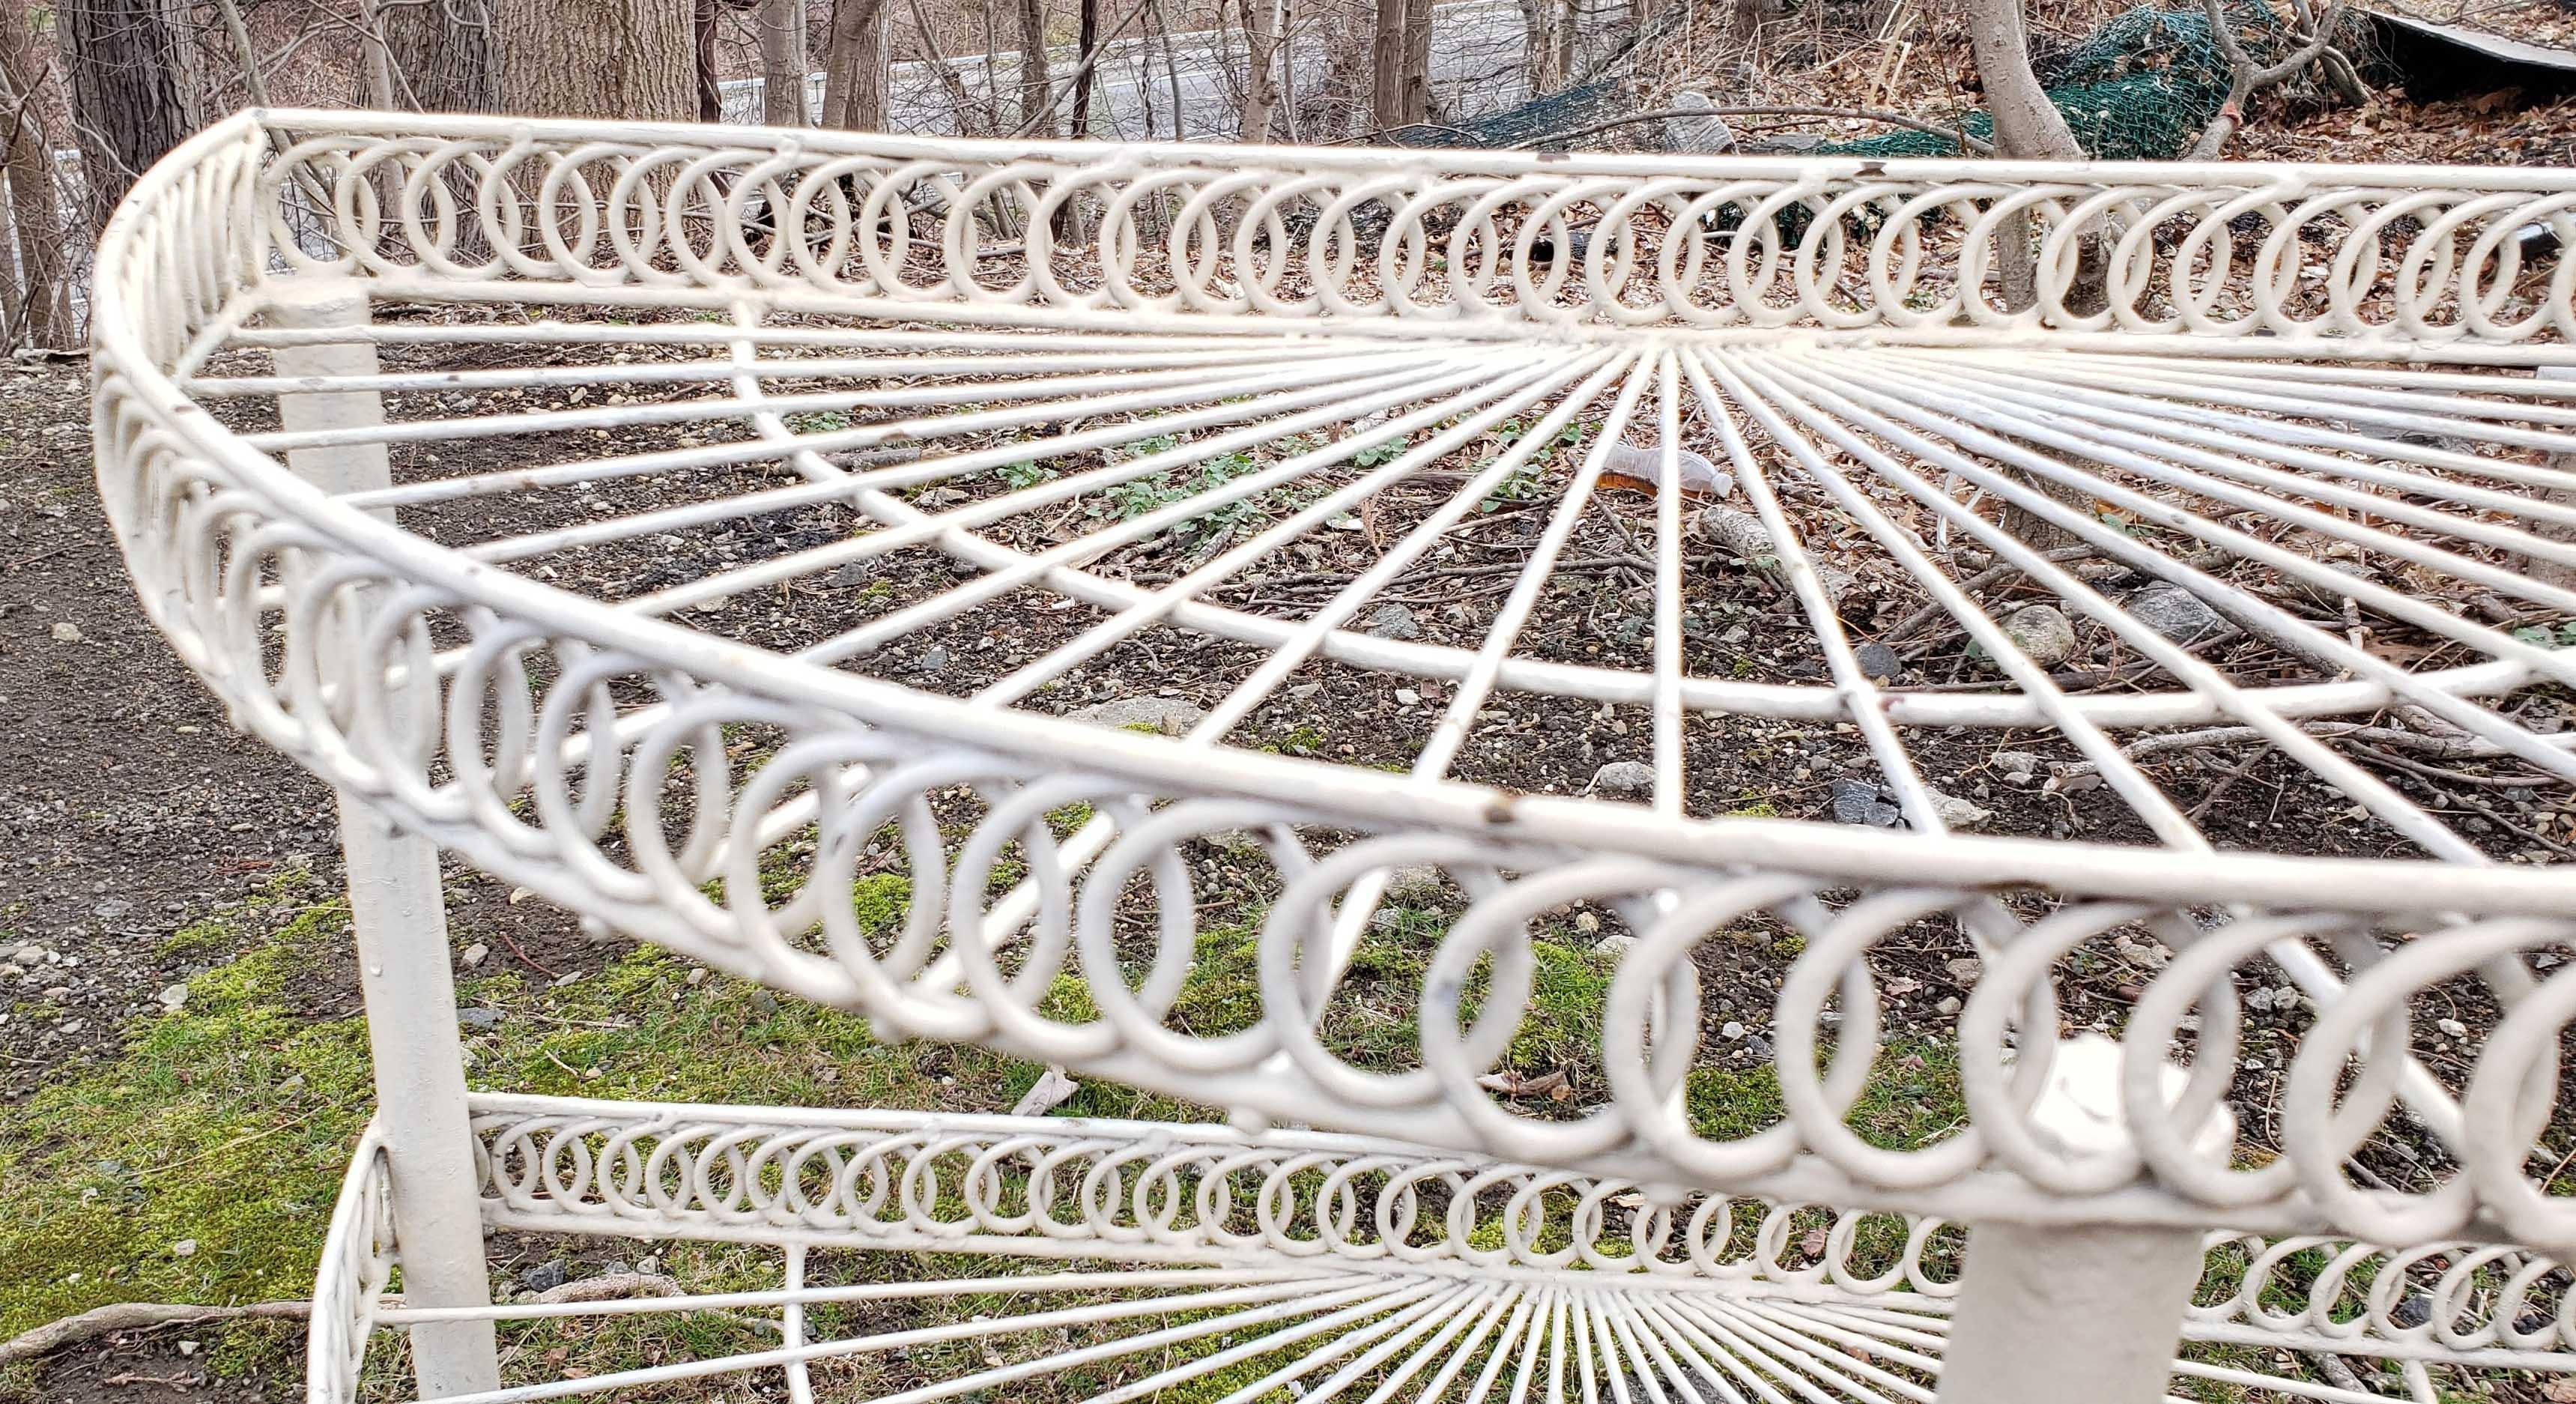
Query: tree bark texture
x,y
1086,47
1037,92
444,54
39,310
784,63
631,59
126,105
854,66
1261,65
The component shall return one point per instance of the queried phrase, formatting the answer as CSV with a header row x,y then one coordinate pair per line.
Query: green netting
x,y
2139,89
1561,111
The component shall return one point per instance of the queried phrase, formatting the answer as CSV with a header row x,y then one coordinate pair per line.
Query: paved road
x,y
1475,67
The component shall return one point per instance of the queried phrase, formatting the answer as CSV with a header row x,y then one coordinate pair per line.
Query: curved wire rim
x,y
1809,846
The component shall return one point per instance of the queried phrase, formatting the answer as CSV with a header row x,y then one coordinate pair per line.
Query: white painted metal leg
x,y
2061,1313
401,922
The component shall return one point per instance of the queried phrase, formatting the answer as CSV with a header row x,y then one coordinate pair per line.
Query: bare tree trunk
x,y
1539,20
1386,66
191,69
1086,47
1261,64
599,58
39,312
1417,60
1036,81
444,55
783,64
126,105
854,66
2028,127
702,35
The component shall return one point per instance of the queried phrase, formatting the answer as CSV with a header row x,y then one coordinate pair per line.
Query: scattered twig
x,y
2250,77
1863,114
133,1316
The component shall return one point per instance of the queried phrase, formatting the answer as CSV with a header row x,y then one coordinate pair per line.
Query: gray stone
x,y
1731,1031
1794,143
1959,813
544,1277
930,660
111,909
28,955
174,997
763,1003
849,577
2042,632
1393,621
1624,778
2017,766
1964,970
475,955
1416,885
1697,133
1616,944
1879,662
2173,611
1858,802
1168,715
478,1018
1757,1046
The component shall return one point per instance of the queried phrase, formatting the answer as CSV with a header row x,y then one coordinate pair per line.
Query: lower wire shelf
x,y
915,1256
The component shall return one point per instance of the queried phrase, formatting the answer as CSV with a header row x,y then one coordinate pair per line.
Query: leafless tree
x,y
38,311
2248,77
1263,22
443,54
854,66
126,105
1037,93
783,64
599,58
1399,60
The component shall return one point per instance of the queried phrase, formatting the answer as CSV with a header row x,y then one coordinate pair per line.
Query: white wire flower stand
x,y
687,523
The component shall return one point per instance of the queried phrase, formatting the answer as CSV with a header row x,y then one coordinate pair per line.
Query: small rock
x,y
1878,662
1393,621
2453,1027
649,1263
478,1018
930,660
9,971
189,1348
1624,778
1757,1046
1964,970
1586,923
1731,1031
2173,611
1407,697
1949,1004
2017,766
1858,802
2042,632
1614,945
1959,813
1416,885
697,975
1697,133
475,955
545,1277
184,1248
173,997
763,1002
111,909
28,955
1168,715
848,577
66,631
